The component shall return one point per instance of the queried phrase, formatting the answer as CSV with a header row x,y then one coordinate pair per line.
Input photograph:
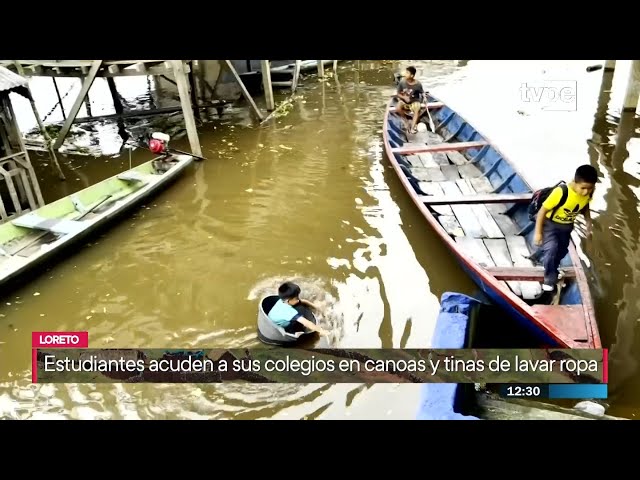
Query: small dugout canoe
x,y
26,242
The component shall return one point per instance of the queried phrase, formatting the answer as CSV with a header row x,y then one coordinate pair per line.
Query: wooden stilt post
x,y
87,104
43,130
609,65
320,69
187,108
194,92
633,88
600,124
296,76
200,81
78,103
624,133
266,83
117,104
55,85
244,90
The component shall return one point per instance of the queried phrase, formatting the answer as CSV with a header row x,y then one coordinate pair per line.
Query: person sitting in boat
x,y
555,222
410,96
285,315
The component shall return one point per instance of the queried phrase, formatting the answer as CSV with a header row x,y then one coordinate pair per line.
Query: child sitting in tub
x,y
286,316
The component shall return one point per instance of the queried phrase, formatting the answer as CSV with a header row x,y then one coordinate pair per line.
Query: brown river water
x,y
310,197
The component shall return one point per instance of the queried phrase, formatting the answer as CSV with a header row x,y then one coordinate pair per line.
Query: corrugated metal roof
x,y
10,81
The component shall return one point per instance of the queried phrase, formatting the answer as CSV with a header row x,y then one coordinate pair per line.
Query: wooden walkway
x,y
81,68
183,71
89,70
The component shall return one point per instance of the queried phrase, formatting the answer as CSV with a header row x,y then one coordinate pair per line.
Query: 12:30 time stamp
x,y
555,391
535,390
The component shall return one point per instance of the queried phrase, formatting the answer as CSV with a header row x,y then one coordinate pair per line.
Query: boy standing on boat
x,y
410,94
555,221
285,315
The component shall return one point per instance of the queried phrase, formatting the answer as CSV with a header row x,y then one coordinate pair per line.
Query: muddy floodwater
x,y
311,197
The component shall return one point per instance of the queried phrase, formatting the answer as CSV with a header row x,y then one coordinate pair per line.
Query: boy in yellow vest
x,y
555,222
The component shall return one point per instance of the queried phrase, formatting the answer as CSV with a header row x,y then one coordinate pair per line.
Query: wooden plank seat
x,y
476,199
440,147
133,176
430,106
54,225
525,273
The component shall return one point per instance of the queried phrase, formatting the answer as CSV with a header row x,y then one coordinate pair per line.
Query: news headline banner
x,y
280,365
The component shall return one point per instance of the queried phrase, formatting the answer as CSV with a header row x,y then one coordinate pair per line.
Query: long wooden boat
x,y
476,201
28,241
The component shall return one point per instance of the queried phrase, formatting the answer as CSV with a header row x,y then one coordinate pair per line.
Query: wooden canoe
x,y
476,201
28,241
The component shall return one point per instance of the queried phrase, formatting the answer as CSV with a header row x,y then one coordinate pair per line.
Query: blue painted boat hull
x,y
438,400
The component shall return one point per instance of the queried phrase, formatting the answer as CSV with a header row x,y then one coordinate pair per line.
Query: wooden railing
x,y
21,186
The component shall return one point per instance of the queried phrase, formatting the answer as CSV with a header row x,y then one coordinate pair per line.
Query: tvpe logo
x,y
551,95
60,339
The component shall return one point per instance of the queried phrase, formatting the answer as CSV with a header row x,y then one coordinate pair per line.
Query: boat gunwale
x,y
591,327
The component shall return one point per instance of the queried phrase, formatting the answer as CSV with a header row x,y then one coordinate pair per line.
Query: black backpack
x,y
539,196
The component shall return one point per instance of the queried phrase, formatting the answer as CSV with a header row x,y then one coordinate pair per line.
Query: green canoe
x,y
35,237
